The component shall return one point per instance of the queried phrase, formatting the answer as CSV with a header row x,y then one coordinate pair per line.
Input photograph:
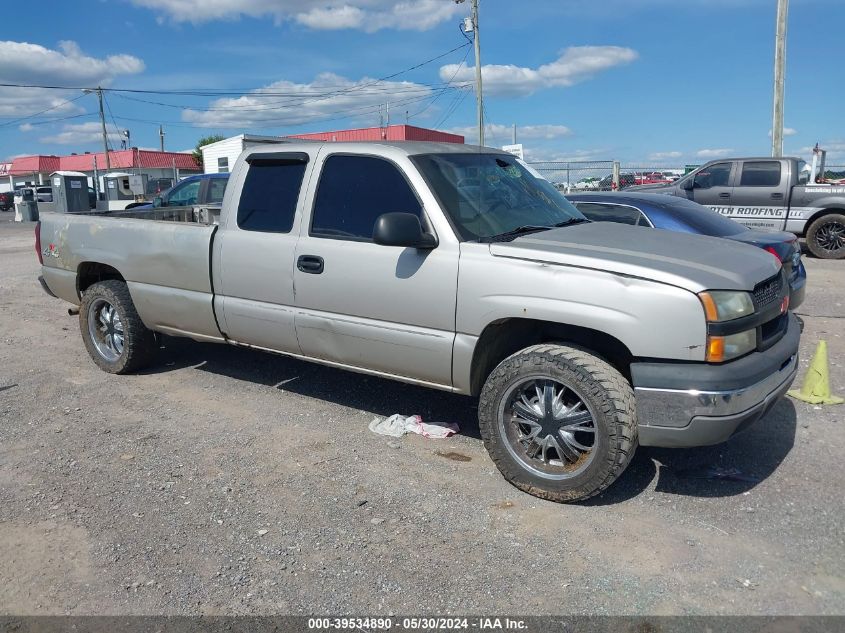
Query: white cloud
x,y
787,131
328,96
523,132
25,63
368,15
26,127
84,134
713,153
576,63
664,155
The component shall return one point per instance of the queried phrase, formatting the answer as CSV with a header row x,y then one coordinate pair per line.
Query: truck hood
x,y
692,262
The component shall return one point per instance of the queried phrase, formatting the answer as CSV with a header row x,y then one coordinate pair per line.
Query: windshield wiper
x,y
570,222
520,230
525,229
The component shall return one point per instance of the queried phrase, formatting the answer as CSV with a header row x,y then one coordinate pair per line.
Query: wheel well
x,y
817,215
503,338
90,273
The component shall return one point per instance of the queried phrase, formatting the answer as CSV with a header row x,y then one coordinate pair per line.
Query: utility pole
x,y
513,134
479,102
161,136
780,61
103,124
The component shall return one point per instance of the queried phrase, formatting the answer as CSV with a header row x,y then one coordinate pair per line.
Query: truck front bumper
x,y
697,404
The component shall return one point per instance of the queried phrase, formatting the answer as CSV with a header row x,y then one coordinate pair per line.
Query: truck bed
x,y
163,257
204,214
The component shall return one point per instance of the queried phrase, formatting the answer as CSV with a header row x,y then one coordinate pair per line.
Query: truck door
x,y
713,187
254,251
760,199
384,308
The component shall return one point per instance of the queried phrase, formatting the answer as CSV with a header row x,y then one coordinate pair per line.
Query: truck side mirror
x,y
158,202
688,184
402,229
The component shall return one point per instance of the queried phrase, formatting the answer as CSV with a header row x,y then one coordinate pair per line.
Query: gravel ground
x,y
225,481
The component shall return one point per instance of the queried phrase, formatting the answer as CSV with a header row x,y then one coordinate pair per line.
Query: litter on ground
x,y
398,425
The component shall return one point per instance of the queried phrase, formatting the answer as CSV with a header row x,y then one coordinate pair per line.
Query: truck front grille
x,y
768,293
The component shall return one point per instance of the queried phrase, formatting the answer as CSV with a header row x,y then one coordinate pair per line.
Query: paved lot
x,y
226,481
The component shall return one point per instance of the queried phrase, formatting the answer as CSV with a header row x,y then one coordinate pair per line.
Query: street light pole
x,y
780,60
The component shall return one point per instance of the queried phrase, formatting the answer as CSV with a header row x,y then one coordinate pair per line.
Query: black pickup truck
x,y
771,194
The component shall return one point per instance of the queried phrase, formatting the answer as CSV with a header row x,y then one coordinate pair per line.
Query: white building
x,y
219,157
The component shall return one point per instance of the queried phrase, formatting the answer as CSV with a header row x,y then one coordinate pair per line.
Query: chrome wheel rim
x,y
548,427
831,236
105,329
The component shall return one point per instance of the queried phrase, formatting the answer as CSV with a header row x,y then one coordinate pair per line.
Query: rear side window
x,y
269,196
216,189
760,174
600,212
354,191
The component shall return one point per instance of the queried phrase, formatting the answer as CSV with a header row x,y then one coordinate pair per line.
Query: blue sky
x,y
655,82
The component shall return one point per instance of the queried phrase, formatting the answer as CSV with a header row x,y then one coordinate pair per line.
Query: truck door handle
x,y
312,264
777,196
724,194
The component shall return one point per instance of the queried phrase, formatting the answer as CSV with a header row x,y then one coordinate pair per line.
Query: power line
x,y
276,123
117,129
451,79
32,116
211,92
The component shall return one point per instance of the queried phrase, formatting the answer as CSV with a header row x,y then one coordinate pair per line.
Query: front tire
x,y
559,422
826,236
114,335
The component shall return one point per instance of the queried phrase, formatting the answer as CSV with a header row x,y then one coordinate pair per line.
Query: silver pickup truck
x,y
456,268
769,194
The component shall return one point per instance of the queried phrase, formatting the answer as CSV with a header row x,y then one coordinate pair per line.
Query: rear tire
x,y
114,335
826,236
559,423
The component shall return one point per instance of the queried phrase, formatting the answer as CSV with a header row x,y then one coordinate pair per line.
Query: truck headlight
x,y
725,305
722,348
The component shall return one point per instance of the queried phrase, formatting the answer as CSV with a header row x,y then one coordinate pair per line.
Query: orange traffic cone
x,y
816,387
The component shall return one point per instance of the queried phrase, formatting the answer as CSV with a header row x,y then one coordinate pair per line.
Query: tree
x,y
205,140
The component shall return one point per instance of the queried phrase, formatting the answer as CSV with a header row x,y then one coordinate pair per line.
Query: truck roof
x,y
728,158
408,148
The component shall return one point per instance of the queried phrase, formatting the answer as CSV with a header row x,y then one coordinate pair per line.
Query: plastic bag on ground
x,y
398,425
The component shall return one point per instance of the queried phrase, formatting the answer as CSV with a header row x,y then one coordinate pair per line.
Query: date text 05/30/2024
x,y
417,624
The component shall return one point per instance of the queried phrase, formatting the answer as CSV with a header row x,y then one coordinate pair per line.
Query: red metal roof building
x,y
389,133
123,159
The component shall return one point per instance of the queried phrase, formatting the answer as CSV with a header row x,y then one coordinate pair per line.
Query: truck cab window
x,y
354,191
760,174
717,175
269,196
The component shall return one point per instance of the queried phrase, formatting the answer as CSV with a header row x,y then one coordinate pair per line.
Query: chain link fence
x,y
577,175
835,174
574,176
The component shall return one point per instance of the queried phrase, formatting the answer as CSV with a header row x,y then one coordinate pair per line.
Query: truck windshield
x,y
492,194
